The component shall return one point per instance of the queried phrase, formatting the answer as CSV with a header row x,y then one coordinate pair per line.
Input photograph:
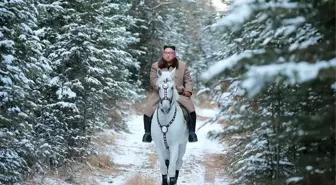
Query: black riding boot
x,y
192,126
147,138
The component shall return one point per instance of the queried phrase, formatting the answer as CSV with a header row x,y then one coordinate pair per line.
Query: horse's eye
x,y
172,88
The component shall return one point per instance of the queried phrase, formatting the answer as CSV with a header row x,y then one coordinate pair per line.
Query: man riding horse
x,y
183,85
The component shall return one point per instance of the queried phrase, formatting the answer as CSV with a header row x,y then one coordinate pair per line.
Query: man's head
x,y
168,53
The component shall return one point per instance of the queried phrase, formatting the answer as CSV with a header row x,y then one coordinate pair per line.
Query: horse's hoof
x,y
147,138
164,180
172,181
192,137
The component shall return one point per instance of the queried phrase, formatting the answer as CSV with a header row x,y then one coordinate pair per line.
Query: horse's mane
x,y
164,76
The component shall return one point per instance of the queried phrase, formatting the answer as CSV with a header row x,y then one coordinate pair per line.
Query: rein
x,y
165,97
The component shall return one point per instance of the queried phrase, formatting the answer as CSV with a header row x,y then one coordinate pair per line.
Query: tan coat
x,y
183,82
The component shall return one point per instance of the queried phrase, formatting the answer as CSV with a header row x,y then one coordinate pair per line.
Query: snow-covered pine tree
x,y
283,52
150,22
91,61
169,22
22,72
184,21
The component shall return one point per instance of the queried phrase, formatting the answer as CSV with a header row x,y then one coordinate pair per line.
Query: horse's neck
x,y
165,118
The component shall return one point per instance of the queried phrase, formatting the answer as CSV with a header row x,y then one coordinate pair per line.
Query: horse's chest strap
x,y
164,128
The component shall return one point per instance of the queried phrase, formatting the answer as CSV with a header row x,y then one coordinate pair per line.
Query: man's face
x,y
168,54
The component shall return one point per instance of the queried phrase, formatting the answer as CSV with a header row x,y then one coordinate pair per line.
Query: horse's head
x,y
167,92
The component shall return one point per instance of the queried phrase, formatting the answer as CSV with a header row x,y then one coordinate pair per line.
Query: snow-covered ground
x,y
135,161
135,157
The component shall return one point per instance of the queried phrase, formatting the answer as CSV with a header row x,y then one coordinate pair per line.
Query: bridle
x,y
165,97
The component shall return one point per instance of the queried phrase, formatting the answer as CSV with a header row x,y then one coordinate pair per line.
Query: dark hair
x,y
168,46
163,63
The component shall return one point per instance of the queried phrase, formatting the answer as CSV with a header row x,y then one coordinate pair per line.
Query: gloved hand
x,y
187,93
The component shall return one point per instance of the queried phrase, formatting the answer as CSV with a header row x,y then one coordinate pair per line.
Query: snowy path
x,y
138,160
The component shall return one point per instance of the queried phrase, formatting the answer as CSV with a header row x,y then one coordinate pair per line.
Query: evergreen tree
x,y
283,55
64,66
23,69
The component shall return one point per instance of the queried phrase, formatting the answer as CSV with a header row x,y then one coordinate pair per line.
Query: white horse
x,y
169,131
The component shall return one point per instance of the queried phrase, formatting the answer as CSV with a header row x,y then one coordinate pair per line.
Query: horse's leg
x,y
164,180
172,164
162,159
167,163
179,162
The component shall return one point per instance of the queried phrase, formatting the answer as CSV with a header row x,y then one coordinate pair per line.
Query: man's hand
x,y
187,93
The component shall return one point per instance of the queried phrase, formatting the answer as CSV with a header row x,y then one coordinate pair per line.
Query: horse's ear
x,y
159,73
172,73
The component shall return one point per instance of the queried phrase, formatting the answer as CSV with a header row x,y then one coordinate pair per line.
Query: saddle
x,y
186,114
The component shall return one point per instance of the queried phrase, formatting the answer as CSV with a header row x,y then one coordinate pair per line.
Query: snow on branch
x,y
294,72
65,92
333,86
241,10
228,63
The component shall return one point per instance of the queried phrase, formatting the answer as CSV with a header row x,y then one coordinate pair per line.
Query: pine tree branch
x,y
3,72
164,3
